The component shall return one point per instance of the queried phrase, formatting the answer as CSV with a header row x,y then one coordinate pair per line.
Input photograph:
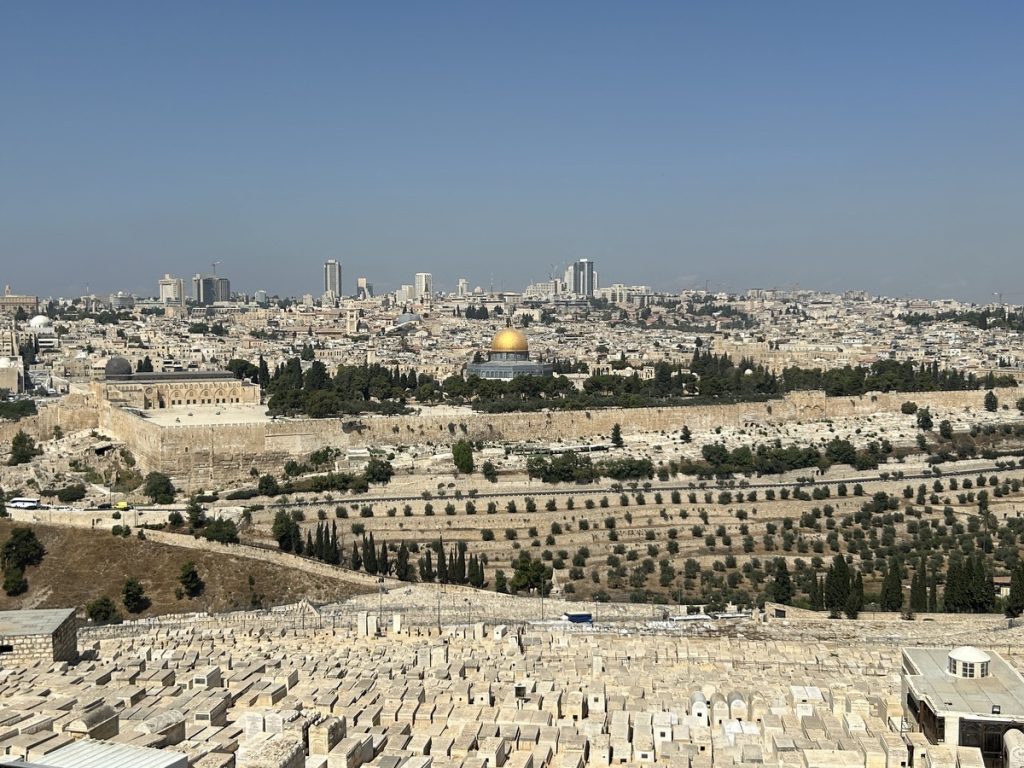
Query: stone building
x,y
965,697
12,374
509,358
11,302
37,635
121,386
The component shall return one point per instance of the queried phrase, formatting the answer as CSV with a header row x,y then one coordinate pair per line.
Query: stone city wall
x,y
216,453
71,413
576,425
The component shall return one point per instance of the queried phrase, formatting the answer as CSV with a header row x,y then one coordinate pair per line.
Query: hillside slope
x,y
81,565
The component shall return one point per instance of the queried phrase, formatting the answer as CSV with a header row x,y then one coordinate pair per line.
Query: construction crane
x,y
214,265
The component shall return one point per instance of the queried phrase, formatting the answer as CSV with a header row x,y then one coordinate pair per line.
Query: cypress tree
x,y
370,555
460,565
817,599
933,594
1014,606
837,585
382,562
402,570
426,567
919,588
892,588
953,594
318,545
264,375
357,560
851,609
442,567
782,585
983,598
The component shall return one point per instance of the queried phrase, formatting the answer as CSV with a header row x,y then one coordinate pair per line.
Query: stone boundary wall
x,y
574,425
71,413
218,453
224,453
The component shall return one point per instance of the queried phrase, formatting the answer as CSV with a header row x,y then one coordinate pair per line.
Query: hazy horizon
x,y
872,147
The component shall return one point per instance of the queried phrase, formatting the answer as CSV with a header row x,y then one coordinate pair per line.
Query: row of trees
x,y
456,568
352,389
376,388
969,588
572,467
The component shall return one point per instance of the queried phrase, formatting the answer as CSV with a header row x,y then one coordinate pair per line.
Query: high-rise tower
x,y
332,277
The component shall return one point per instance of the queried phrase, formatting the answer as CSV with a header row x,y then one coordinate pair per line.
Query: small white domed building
x,y
964,697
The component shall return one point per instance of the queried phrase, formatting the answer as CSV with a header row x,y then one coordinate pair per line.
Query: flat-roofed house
x,y
965,697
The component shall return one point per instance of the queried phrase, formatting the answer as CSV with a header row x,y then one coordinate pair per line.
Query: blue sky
x,y
877,146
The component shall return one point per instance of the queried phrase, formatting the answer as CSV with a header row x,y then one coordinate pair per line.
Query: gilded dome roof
x,y
509,340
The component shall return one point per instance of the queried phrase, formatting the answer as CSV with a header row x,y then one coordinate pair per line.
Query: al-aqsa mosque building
x,y
509,358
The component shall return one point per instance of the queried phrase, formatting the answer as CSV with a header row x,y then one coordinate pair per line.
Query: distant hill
x,y
81,565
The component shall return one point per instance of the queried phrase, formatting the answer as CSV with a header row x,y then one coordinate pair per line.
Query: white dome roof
x,y
40,321
968,654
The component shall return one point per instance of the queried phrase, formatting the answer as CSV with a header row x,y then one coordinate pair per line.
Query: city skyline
x,y
864,148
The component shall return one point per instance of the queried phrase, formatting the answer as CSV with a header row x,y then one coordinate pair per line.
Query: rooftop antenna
x,y
214,265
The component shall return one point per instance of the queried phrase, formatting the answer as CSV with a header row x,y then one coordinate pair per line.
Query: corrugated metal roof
x,y
102,754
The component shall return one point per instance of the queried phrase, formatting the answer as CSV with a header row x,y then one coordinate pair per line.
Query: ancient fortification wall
x,y
575,425
215,453
225,452
71,413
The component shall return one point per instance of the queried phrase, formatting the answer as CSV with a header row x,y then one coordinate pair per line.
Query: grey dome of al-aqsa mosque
x,y
117,368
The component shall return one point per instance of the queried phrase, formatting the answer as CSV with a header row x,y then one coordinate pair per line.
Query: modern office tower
x,y
172,290
332,277
581,278
364,289
405,293
463,287
204,289
221,289
424,285
261,298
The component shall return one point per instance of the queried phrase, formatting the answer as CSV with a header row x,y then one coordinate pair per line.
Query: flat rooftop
x,y
33,622
199,415
946,693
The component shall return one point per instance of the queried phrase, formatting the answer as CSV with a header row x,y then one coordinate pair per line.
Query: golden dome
x,y
509,340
